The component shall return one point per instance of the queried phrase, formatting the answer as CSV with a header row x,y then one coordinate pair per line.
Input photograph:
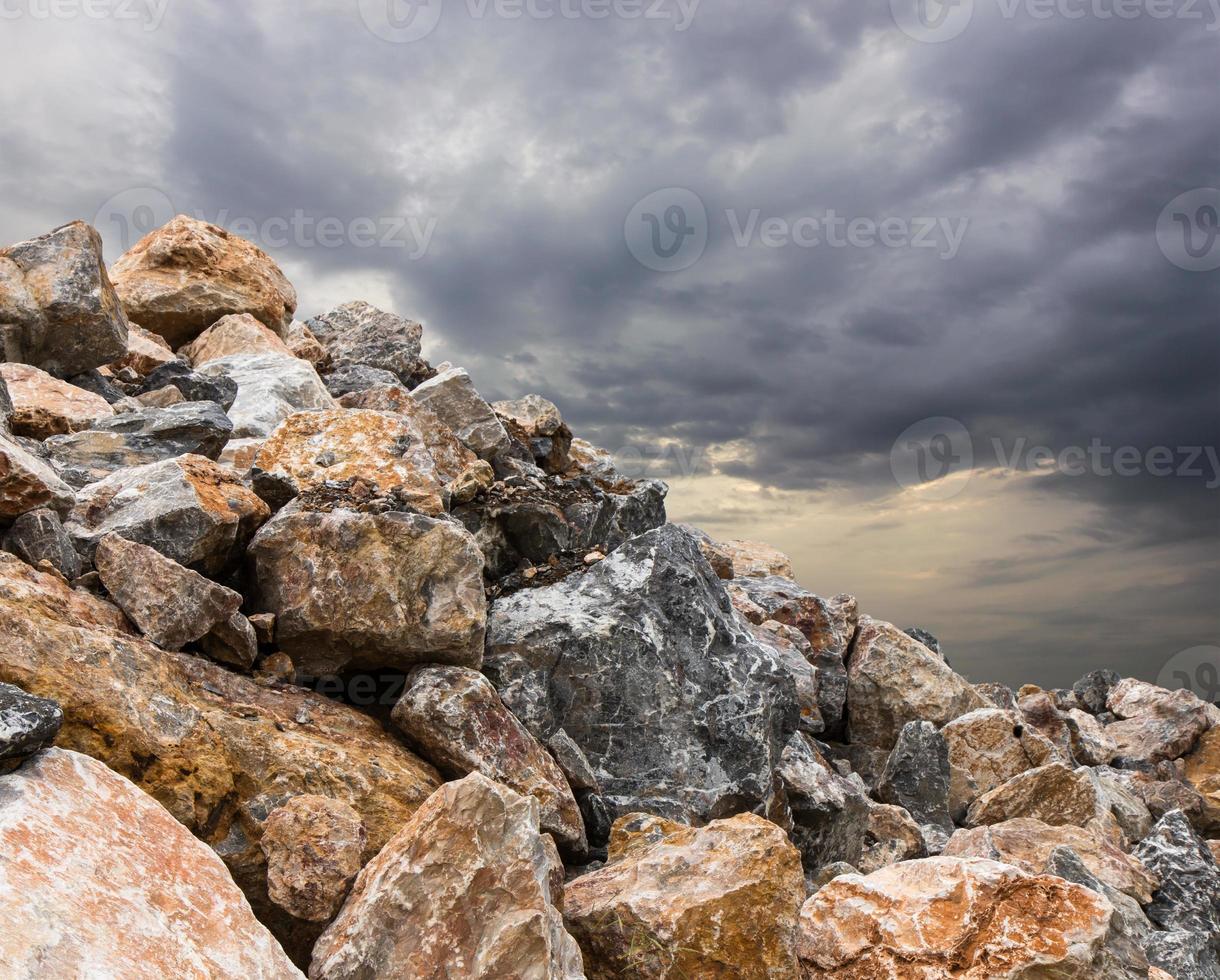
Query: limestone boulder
x,y
176,382
28,483
270,389
349,379
1054,793
1155,724
359,333
450,456
314,847
1202,771
238,333
452,396
893,836
45,406
993,746
305,345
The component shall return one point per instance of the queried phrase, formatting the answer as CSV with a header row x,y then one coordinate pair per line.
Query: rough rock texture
x,y
1202,771
452,396
464,889
314,848
752,559
235,334
27,483
159,386
675,901
181,278
190,509
953,917
1041,712
642,662
1090,744
387,450
893,679
100,881
170,604
45,406
27,724
993,746
39,536
536,423
370,590
1094,688
305,345
892,837
355,378
270,388
1155,724
1028,844
1189,894
1054,793
1183,955
217,750
454,719
795,654
137,438
916,775
232,641
1160,795
146,351
58,310
357,333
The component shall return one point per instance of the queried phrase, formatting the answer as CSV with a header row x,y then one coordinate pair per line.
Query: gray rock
x,y
452,396
270,388
356,377
58,309
1183,955
536,423
999,695
232,641
27,723
1189,896
97,383
6,409
137,438
926,638
39,535
358,333
1093,689
916,775
573,763
194,385
643,663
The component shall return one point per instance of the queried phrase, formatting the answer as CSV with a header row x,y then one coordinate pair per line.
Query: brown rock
x,y
181,278
44,406
947,917
1054,793
314,848
455,719
1091,746
463,890
27,483
992,746
238,333
100,881
1042,713
313,447
232,642
1027,844
893,836
676,901
162,397
1203,773
305,345
752,559
536,423
146,351
1156,724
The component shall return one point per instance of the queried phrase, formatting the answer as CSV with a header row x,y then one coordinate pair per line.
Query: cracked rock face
x,y
643,663
314,847
359,333
99,880
270,388
1189,894
464,889
58,309
27,723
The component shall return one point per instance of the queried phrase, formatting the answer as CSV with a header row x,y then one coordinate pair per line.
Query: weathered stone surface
x,y
170,604
137,438
1028,844
537,424
452,396
716,554
1183,955
752,559
270,388
181,278
993,746
314,847
27,483
1156,724
100,881
1094,688
795,654
387,450
162,397
39,536
193,386
1188,897
1090,744
370,590
463,890
305,345
893,679
231,641
58,310
45,406
354,378
675,901
953,917
1041,712
1053,793
27,724
146,351
238,333
453,717
358,333
1202,771
190,509
997,695
643,663
217,750
916,775
1160,795
926,638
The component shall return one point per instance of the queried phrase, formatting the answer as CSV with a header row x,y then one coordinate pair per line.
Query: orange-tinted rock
x,y
100,881
27,483
1054,793
146,351
181,278
305,345
238,333
44,406
1203,773
993,745
752,559
314,848
948,917
719,901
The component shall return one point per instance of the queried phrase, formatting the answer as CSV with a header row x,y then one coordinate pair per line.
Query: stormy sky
x,y
925,295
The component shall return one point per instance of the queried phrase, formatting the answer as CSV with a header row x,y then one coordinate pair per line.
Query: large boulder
x,y
464,889
181,278
452,396
100,881
1202,772
58,310
238,333
188,508
450,456
993,746
27,724
28,483
1054,793
369,590
642,661
45,406
39,536
1155,724
359,333
676,901
1189,894
453,717
270,388
916,775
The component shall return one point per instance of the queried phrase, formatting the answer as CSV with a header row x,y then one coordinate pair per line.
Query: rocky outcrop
x,y
270,389
181,278
463,889
452,396
358,333
676,901
27,724
44,406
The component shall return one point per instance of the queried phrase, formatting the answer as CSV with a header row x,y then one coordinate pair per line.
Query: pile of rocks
x,y
315,660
